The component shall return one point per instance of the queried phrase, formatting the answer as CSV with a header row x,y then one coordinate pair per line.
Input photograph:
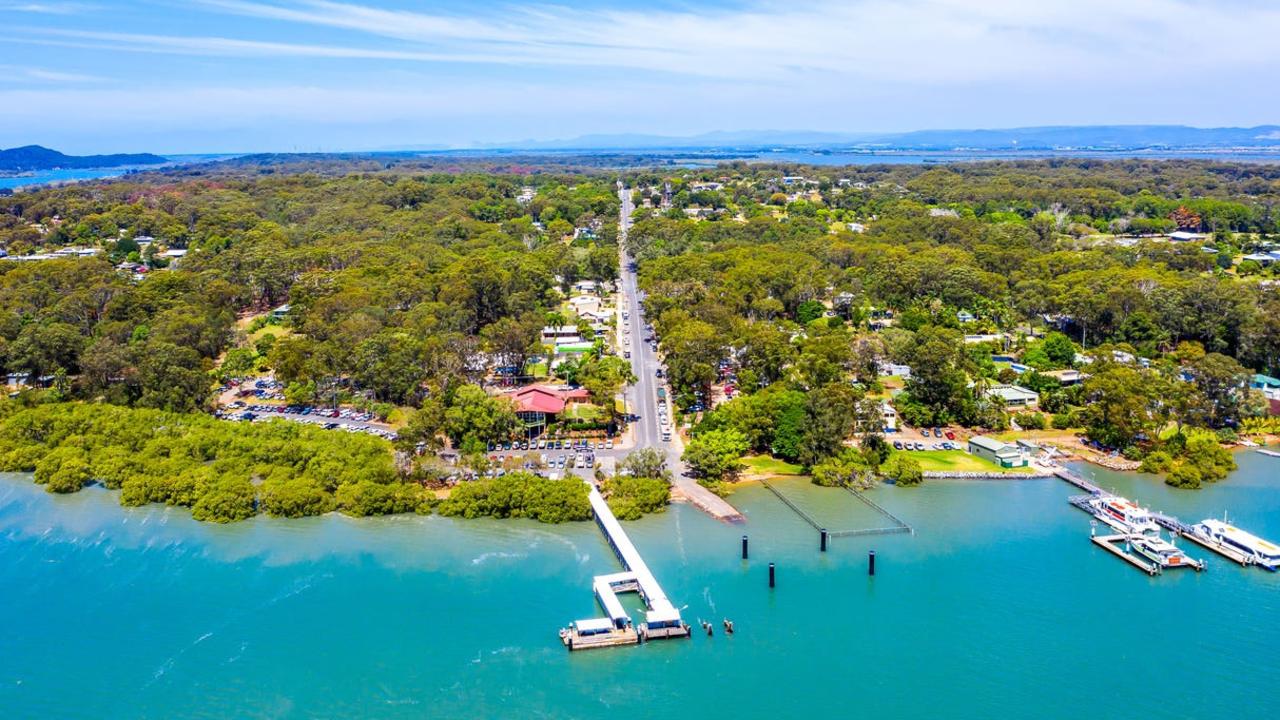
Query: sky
x,y
191,76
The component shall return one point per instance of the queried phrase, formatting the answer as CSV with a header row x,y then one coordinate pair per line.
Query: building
x,y
965,316
1184,236
887,369
996,451
1066,377
890,417
536,405
281,312
1264,259
1013,396
560,334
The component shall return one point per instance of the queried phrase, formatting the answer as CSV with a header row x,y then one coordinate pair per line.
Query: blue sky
x,y
261,75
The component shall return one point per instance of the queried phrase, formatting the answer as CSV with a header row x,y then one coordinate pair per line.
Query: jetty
x,y
662,619
1111,543
1269,453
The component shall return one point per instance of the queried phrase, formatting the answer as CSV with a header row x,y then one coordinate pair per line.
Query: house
x,y
560,334
889,416
1013,396
1066,377
1001,453
535,405
585,287
965,316
984,338
943,212
584,303
1184,236
1264,259
281,312
857,227
887,369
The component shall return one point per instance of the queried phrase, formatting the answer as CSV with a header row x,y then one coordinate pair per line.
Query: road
x,y
642,397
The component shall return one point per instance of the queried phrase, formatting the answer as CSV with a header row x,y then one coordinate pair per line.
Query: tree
x,y
808,311
604,377
715,455
848,468
831,416
1120,405
474,419
1223,383
645,463
903,470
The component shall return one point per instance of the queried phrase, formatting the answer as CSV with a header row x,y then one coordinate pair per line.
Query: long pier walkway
x,y
662,619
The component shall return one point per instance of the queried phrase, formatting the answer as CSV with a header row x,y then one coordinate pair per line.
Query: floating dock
x,y
1270,453
1110,543
662,619
1222,549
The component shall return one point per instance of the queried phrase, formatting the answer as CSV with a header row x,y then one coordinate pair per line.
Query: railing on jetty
x,y
898,525
1078,481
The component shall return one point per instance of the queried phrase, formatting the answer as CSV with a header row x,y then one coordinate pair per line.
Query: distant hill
x,y
1104,137
35,157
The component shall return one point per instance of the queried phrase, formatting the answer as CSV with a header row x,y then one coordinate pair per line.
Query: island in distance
x,y
35,157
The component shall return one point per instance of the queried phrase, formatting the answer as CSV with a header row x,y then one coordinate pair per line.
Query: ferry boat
x,y
1123,515
1257,550
1162,552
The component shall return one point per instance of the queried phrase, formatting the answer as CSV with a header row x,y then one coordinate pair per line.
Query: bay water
x,y
997,606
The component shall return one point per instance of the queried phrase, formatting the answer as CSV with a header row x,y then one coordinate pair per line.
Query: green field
x,y
766,465
956,461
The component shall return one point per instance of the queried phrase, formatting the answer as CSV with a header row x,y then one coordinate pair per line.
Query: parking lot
x,y
347,419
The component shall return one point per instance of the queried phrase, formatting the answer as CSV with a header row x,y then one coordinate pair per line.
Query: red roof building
x,y
535,402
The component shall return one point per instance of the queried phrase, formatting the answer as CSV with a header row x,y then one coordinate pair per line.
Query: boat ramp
x,y
662,619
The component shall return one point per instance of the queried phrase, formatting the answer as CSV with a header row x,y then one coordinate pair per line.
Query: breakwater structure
x,y
662,619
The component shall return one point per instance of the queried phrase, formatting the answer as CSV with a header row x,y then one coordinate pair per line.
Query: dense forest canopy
x,y
409,280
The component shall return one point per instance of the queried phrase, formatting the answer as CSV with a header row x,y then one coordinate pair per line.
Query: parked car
x,y
951,435
937,432
897,445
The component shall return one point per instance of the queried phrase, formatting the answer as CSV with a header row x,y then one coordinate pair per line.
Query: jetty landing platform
x,y
661,619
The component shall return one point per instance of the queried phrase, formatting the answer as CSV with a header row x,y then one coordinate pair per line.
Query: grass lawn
x,y
957,461
767,465
538,369
585,411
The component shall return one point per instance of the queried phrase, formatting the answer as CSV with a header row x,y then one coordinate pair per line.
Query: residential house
x,y
560,334
1066,377
890,417
965,316
1013,396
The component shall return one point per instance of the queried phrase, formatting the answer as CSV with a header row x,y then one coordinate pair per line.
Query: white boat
x,y
1259,551
1162,552
1123,515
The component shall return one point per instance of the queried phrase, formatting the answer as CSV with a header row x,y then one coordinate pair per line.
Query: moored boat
x,y
1162,552
1123,514
1258,551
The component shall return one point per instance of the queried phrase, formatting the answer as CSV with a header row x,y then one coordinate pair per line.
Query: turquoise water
x,y
998,606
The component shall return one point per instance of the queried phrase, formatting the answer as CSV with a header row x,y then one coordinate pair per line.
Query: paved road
x,y
642,396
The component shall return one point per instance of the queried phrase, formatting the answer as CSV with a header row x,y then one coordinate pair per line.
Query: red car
x,y
951,435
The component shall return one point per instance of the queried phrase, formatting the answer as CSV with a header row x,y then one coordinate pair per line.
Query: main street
x,y
642,397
